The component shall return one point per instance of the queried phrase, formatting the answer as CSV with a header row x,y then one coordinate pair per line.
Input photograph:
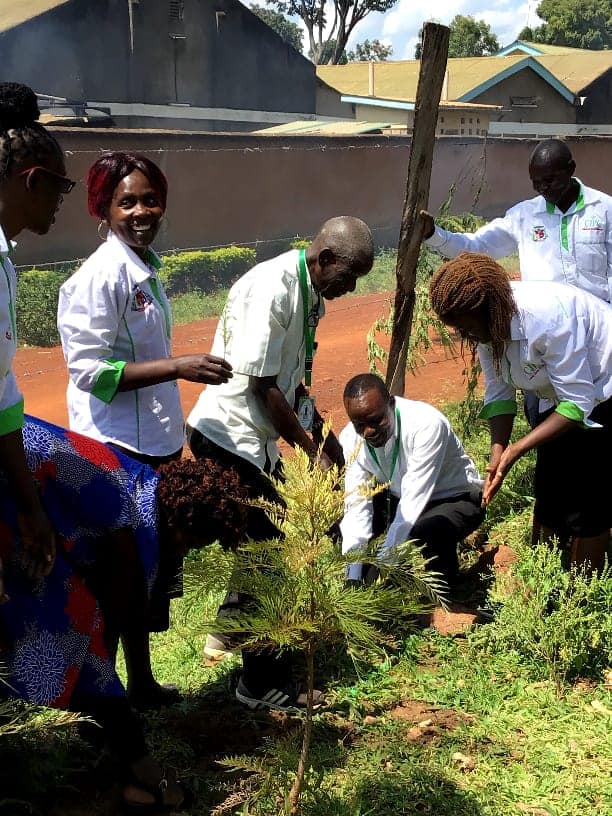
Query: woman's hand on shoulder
x,y
203,368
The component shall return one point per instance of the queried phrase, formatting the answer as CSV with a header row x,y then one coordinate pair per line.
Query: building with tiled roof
x,y
554,85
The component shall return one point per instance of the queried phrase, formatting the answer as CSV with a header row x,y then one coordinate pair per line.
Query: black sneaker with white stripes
x,y
287,698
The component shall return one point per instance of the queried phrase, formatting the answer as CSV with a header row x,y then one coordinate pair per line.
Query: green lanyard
x,y
153,263
394,458
11,304
309,330
162,305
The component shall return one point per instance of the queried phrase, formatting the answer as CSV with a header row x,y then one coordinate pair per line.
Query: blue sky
x,y
399,26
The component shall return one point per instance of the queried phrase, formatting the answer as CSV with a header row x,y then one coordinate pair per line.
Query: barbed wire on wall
x,y
323,148
254,243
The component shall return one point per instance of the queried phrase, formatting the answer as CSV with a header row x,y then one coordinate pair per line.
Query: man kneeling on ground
x,y
435,491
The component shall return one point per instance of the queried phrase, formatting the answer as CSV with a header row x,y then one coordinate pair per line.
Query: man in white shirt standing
x,y
435,492
267,334
564,234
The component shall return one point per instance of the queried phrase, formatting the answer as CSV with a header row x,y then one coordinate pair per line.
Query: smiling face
x,y
373,416
135,212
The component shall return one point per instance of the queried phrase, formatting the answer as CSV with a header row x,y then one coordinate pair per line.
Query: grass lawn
x,y
445,726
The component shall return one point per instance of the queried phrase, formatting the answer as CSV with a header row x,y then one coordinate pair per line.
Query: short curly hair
x,y
204,498
106,173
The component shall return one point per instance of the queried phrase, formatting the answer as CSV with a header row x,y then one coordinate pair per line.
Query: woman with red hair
x,y
115,324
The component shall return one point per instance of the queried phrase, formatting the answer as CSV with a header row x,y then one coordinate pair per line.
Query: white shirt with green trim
x,y
112,311
261,333
11,400
560,348
431,465
573,247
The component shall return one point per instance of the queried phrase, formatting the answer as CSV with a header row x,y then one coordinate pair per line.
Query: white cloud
x,y
399,27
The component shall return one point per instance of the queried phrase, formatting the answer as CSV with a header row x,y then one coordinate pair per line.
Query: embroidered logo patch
x,y
530,370
592,224
538,233
140,299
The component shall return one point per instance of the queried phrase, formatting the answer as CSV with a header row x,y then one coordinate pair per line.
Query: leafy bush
x,y
204,270
300,243
182,272
36,308
558,622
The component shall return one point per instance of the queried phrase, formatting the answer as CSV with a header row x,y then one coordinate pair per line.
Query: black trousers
x,y
440,527
269,669
572,489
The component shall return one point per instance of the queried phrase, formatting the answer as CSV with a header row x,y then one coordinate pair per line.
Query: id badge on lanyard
x,y
305,413
306,404
394,458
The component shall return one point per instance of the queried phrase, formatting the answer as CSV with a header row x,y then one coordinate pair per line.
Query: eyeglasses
x,y
65,184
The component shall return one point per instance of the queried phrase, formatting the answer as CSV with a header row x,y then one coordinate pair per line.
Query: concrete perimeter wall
x,y
245,189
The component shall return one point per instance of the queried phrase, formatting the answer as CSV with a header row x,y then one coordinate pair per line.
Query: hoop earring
x,y
103,224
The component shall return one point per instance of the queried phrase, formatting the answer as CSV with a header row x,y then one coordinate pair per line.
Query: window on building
x,y
462,121
441,118
470,120
524,101
478,121
176,10
470,130
462,131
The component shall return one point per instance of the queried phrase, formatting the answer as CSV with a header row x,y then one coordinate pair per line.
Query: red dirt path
x,y
342,352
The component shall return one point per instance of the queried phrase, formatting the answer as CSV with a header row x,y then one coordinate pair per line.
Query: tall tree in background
x,y
468,38
327,21
575,23
327,54
370,51
289,31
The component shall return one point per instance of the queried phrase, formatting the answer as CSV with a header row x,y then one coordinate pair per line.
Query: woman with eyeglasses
x,y
115,325
32,183
554,340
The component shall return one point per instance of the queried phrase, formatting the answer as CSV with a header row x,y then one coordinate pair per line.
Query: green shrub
x,y
558,622
204,270
300,243
36,308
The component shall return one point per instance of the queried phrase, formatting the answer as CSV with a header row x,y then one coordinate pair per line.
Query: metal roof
x,y
568,72
343,128
15,12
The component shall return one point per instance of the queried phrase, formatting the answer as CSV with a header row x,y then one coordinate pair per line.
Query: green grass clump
x,y
558,621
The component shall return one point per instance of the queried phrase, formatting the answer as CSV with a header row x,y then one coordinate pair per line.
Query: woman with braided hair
x,y
32,183
554,340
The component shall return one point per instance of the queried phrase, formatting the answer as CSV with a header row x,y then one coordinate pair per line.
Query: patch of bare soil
x,y
460,616
426,722
454,620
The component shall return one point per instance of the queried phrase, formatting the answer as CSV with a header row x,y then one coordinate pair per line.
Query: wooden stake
x,y
431,78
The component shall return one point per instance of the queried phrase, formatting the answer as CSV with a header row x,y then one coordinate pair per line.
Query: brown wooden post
x,y
431,78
